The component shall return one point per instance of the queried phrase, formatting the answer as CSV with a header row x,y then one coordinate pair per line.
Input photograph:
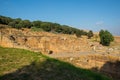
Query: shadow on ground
x,y
51,69
111,69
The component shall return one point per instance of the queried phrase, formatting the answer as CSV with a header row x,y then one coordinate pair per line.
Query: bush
x,y
105,37
90,34
78,33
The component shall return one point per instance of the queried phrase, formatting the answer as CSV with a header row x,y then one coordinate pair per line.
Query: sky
x,y
83,14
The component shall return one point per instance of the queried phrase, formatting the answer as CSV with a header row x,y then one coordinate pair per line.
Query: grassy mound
x,y
19,64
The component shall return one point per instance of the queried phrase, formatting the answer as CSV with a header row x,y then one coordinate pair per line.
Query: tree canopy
x,y
45,26
105,37
90,34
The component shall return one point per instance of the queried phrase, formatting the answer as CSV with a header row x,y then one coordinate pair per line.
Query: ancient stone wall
x,y
48,42
43,42
106,64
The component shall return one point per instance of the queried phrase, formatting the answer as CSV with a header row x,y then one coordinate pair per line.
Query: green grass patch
x,y
19,64
36,29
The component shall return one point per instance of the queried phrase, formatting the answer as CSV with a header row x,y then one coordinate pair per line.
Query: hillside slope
x,y
19,64
43,41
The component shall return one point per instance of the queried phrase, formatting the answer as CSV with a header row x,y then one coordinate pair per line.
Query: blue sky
x,y
84,14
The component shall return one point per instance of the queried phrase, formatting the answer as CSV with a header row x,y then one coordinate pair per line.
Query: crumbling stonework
x,y
107,64
49,43
43,42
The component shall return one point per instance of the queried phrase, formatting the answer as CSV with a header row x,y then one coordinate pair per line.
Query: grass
x,y
19,64
36,29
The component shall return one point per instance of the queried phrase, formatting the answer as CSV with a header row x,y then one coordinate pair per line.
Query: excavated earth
x,y
82,52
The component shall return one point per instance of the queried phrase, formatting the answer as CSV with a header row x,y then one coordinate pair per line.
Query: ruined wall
x,y
107,64
46,42
42,41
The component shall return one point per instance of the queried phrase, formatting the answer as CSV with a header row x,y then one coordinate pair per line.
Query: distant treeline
x,y
45,26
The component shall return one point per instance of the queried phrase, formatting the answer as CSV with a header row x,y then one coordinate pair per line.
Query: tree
x,y
17,20
110,35
90,34
25,23
46,26
5,20
105,37
18,26
12,24
101,32
66,29
36,24
78,33
15,23
58,28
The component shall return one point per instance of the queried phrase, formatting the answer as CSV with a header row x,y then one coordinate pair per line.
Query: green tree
x,y
15,23
58,29
78,33
18,26
5,20
12,24
101,32
46,26
110,35
105,37
36,24
90,34
25,23
17,20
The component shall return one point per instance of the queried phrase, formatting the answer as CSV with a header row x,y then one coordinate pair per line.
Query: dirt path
x,y
78,54
70,54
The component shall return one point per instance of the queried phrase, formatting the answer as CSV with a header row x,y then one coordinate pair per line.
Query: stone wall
x,y
106,64
60,43
43,42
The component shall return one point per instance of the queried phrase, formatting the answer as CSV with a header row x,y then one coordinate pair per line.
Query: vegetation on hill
x,y
90,34
105,37
40,25
19,64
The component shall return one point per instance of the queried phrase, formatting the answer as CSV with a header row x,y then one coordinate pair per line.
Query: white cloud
x,y
99,23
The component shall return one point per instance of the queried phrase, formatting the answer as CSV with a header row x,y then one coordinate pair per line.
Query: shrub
x,y
90,34
105,37
78,33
